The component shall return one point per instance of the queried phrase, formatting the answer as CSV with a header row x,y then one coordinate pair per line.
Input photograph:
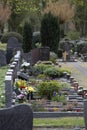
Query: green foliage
x,y
40,68
59,98
73,35
61,70
50,32
6,36
42,76
36,39
19,10
3,46
46,89
52,72
27,37
53,56
55,72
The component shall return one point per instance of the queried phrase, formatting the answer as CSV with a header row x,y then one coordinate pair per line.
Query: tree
x,y
27,37
50,31
20,10
5,12
60,8
81,16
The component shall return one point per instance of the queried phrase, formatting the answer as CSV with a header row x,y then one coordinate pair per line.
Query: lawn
x,y
3,71
59,122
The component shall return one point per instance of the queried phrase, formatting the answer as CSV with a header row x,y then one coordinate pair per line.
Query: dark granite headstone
x,y
2,58
42,54
13,43
23,76
12,46
19,117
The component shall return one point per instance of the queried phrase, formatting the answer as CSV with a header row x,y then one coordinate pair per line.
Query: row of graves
x,y
17,78
16,92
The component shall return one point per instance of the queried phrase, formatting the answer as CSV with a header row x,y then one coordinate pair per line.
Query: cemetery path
x,y
79,71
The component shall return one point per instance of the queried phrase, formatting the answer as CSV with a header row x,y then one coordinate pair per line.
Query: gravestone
x,y
19,117
22,76
12,46
8,90
2,58
42,54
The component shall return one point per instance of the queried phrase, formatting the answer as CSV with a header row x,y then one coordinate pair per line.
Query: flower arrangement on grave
x,y
25,66
30,89
21,84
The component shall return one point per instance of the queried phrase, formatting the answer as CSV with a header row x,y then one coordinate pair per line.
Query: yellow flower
x,y
21,84
30,89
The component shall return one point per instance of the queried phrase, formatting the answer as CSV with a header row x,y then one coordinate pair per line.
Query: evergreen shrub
x,y
27,37
50,31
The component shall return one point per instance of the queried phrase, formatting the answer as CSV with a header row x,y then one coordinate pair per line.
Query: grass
x,y
3,71
59,122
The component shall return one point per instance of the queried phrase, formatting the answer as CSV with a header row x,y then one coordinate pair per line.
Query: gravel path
x,y
79,71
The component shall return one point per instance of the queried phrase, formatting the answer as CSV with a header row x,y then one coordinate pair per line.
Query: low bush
x,y
40,68
62,70
52,72
47,88
6,36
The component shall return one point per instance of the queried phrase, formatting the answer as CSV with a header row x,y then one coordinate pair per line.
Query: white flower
x,y
25,64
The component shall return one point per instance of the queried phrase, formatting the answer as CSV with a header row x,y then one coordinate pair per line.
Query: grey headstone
x,y
2,58
8,90
19,117
12,46
13,43
23,76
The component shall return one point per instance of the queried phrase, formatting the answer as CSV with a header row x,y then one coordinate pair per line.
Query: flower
x,y
25,64
21,96
30,89
21,84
